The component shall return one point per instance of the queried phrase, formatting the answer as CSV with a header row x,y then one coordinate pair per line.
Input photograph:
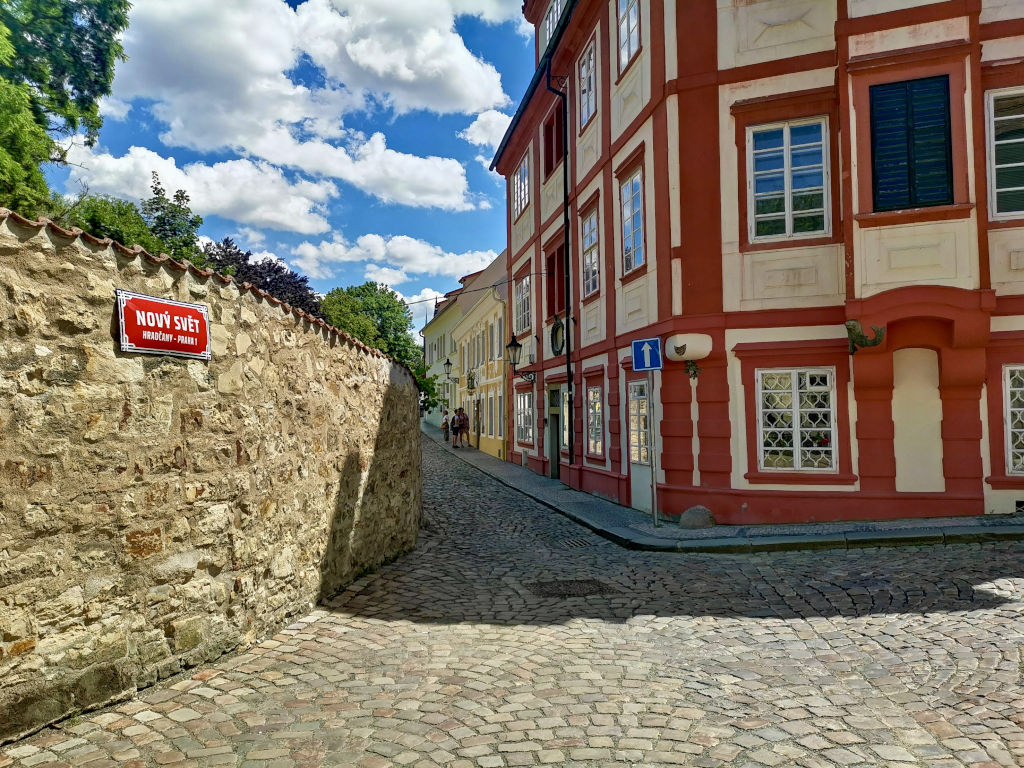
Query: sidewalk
x,y
635,530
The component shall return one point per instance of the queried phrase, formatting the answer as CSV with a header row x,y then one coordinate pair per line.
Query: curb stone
x,y
631,538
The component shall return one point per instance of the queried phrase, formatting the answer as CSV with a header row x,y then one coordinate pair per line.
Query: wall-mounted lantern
x,y
515,353
448,370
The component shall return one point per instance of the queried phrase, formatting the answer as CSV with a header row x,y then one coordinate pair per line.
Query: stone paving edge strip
x,y
630,538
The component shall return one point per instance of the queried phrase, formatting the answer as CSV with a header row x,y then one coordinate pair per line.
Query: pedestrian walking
x,y
444,424
464,428
456,427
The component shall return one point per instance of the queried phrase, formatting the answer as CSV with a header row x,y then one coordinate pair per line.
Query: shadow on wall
x,y
358,542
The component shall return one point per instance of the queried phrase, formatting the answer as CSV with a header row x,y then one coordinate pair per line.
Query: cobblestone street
x,y
512,636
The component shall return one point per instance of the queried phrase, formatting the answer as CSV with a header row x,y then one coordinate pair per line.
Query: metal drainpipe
x,y
567,262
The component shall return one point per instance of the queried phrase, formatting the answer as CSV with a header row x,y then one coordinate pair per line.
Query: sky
x,y
349,138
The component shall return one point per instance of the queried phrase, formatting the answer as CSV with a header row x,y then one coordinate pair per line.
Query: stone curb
x,y
630,538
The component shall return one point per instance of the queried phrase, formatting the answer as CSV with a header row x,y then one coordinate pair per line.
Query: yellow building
x,y
479,340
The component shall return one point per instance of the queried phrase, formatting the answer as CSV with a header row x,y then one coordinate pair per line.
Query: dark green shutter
x,y
910,144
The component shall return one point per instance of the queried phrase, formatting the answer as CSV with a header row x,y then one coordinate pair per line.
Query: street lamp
x,y
448,370
515,352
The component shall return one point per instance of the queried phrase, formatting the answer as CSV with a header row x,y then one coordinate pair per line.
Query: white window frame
x,y
522,304
563,397
833,431
639,441
595,421
587,84
635,199
629,45
490,414
990,153
521,187
1008,412
501,415
591,254
786,125
524,417
551,19
499,352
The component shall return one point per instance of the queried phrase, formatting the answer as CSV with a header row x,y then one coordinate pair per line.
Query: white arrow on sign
x,y
647,354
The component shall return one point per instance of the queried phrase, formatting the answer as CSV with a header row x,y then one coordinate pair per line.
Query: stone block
x,y
697,517
188,633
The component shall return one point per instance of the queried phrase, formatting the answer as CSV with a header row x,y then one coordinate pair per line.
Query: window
x,y
523,304
501,415
554,268
632,222
629,31
591,257
521,188
490,341
1006,153
911,145
588,98
639,423
554,147
490,415
595,421
524,417
796,419
788,179
1013,388
498,351
564,393
551,20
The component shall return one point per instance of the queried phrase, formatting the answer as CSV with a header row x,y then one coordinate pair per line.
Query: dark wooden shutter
x,y
910,144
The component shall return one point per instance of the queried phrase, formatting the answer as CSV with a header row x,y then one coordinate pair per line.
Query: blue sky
x,y
347,137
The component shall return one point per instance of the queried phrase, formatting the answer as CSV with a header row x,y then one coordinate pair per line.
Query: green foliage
x,y
375,315
24,146
64,52
173,223
430,398
104,216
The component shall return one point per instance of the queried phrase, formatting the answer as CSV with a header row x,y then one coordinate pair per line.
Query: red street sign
x,y
162,326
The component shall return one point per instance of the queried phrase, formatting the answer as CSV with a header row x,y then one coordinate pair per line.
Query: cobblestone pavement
x,y
468,653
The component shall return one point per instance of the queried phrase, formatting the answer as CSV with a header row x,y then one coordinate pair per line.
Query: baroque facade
x,y
818,208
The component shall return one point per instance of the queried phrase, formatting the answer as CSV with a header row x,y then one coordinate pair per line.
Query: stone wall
x,y
156,512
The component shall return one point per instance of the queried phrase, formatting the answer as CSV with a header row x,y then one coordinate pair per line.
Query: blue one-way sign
x,y
647,354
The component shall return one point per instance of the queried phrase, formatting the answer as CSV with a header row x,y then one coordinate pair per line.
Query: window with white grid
x,y
629,31
591,257
1013,391
1006,154
524,417
796,419
521,188
632,192
551,20
639,423
564,394
788,179
595,421
523,304
588,98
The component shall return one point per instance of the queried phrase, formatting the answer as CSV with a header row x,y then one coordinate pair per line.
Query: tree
x,y
65,52
269,275
24,145
104,216
429,396
172,221
377,316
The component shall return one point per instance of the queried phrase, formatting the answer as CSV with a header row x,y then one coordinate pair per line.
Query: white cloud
x,y
251,238
242,190
386,275
400,252
219,78
114,109
487,130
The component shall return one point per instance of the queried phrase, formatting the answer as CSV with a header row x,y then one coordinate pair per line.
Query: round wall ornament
x,y
558,336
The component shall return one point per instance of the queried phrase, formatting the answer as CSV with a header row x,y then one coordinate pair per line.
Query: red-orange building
x,y
746,179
